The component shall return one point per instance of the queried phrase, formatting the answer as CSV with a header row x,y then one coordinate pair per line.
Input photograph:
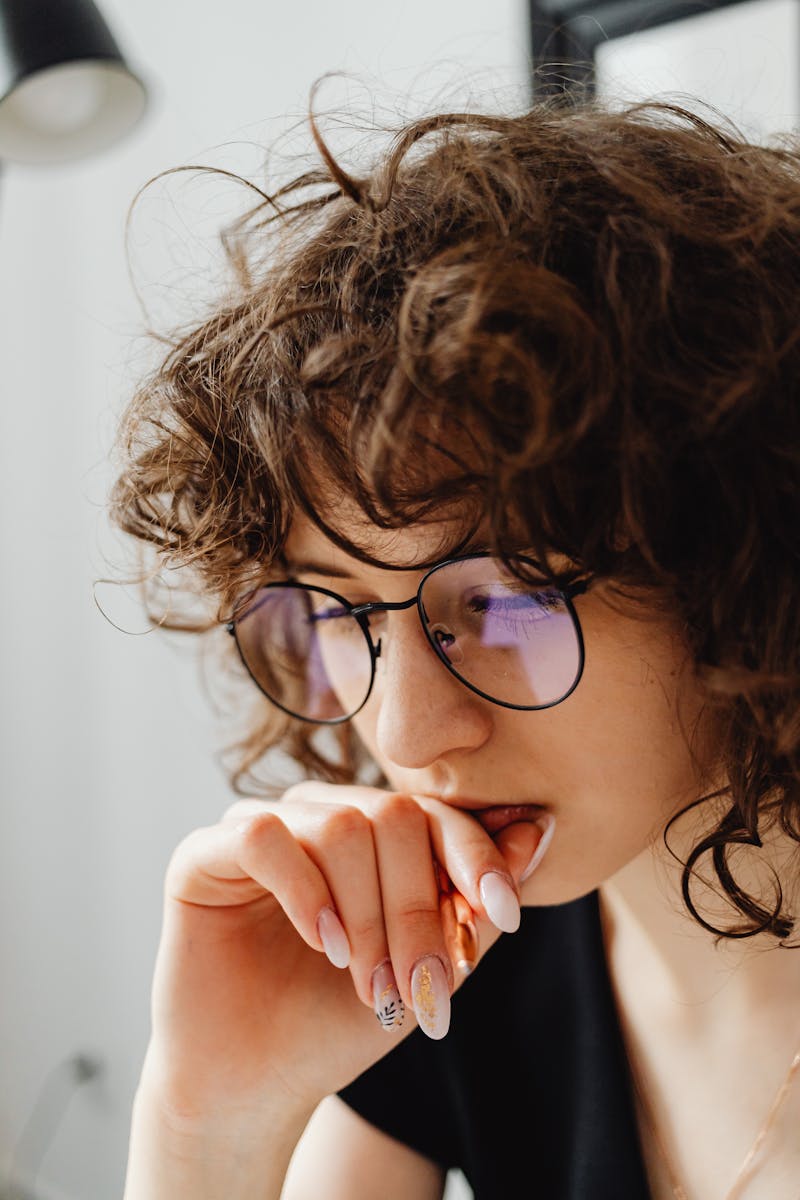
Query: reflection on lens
x,y
512,641
305,652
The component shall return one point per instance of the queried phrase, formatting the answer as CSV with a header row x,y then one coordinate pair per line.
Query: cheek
x,y
634,750
619,764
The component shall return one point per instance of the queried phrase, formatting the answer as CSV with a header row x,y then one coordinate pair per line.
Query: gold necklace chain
x,y
746,1169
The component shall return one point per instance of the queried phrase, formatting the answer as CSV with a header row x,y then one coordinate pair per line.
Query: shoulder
x,y
343,1157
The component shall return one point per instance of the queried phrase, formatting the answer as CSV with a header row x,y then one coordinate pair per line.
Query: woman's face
x,y
610,762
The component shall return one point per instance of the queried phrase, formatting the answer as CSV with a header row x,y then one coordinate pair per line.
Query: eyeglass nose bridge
x,y
362,613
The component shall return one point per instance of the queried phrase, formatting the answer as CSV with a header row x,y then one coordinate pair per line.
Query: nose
x,y
421,710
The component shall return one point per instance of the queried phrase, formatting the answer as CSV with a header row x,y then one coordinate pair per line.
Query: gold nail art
x,y
387,1002
431,996
389,1008
424,999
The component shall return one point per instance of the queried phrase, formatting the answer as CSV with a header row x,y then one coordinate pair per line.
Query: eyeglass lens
x,y
513,642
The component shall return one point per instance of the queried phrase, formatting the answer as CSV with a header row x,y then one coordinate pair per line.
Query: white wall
x,y
744,59
105,740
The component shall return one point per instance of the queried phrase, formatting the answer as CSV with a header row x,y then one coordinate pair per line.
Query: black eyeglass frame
x,y
362,613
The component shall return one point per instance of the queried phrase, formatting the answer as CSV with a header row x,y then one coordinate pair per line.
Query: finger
x,y
305,792
523,845
484,869
227,865
242,810
340,842
332,825
460,929
280,861
410,897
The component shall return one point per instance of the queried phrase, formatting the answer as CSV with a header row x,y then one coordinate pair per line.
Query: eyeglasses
x,y
516,644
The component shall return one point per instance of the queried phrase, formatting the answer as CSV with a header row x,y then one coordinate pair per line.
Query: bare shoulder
x,y
342,1157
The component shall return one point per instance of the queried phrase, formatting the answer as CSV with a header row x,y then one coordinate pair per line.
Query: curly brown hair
x,y
598,308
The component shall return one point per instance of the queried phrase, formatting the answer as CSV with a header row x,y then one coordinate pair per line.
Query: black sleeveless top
x,y
529,1094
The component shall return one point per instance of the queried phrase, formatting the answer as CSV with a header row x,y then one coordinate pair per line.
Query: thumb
x,y
523,843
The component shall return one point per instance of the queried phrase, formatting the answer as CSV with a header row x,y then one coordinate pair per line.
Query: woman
x,y
488,469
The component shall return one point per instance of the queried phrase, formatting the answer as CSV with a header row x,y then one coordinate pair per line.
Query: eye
x,y
516,609
334,620
330,612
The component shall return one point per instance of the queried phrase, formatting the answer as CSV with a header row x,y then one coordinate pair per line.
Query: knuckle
x,y
260,826
308,791
346,823
187,853
240,809
296,791
419,916
190,843
367,932
396,807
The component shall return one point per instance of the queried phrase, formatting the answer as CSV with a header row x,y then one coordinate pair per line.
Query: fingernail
x,y
430,994
333,937
386,999
547,823
499,901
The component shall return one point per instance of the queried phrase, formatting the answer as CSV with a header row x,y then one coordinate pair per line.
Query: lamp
x,y
65,88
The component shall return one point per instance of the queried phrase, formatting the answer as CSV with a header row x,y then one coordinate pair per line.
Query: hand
x,y
246,1006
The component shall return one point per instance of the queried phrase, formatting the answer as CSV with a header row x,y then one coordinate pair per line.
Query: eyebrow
x,y
308,566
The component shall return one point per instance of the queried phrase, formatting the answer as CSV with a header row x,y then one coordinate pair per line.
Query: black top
x,y
529,1093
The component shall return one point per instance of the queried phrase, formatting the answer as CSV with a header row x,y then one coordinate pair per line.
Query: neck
x,y
711,1030
682,974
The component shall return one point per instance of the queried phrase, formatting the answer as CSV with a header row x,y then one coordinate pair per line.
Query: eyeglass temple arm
x,y
576,589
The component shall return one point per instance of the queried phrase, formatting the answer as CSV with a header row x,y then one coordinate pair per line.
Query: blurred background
x,y
107,740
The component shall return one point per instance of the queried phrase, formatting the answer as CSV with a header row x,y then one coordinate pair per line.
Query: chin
x,y
548,886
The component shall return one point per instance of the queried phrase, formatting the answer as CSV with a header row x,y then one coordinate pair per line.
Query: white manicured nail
x,y
333,937
500,901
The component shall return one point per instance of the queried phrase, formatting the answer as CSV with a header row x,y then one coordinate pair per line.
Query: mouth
x,y
493,817
498,816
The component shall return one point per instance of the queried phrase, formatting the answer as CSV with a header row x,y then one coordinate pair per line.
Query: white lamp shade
x,y
68,111
65,89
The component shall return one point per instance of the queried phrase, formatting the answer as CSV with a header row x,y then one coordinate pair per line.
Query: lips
x,y
499,816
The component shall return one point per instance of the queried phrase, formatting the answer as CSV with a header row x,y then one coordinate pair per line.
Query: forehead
x,y
427,493
413,548
405,549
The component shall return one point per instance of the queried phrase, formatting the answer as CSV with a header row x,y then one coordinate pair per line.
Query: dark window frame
x,y
564,34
